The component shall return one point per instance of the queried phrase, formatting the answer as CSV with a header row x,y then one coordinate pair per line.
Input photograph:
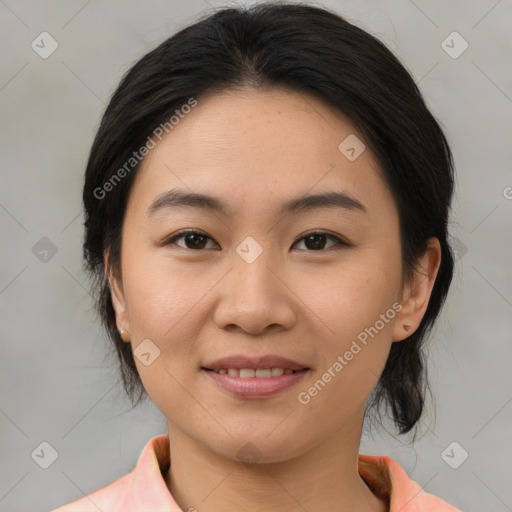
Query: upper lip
x,y
242,361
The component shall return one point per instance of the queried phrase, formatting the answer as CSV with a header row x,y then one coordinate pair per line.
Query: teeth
x,y
248,373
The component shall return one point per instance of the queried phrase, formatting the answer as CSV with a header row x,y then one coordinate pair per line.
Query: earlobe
x,y
118,301
124,335
417,291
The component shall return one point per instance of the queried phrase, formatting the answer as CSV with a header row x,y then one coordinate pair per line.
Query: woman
x,y
266,206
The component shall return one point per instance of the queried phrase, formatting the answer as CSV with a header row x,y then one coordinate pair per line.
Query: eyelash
x,y
339,242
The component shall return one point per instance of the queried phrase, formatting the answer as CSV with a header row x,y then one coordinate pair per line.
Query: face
x,y
252,280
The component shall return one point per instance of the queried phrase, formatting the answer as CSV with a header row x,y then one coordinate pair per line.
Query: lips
x,y
255,387
240,361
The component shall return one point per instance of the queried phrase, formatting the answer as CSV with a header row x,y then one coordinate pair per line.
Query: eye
x,y
315,240
197,240
192,239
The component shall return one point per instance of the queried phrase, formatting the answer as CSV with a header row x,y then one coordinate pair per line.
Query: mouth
x,y
245,364
252,373
250,383
250,376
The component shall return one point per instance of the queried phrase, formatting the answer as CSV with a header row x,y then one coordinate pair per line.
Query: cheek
x,y
159,293
351,298
165,305
170,304
353,347
168,301
354,313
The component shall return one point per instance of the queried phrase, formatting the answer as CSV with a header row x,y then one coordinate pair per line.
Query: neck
x,y
325,477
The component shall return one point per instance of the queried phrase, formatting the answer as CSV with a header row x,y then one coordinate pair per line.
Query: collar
x,y
144,488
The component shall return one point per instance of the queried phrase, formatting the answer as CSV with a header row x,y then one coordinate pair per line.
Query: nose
x,y
254,296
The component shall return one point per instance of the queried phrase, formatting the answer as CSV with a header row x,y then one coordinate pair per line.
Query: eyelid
x,y
341,241
339,238
170,239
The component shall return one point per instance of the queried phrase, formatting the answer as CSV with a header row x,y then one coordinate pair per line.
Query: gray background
x,y
58,383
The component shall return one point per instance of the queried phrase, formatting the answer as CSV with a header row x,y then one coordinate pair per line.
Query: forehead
x,y
262,148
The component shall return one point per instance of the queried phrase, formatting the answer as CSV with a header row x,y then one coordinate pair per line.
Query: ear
x,y
118,300
417,290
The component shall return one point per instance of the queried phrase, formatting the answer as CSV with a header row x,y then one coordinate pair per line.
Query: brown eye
x,y
194,240
316,241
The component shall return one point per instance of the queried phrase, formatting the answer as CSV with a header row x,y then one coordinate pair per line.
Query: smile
x,y
249,383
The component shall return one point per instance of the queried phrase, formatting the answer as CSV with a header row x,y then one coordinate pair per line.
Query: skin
x,y
254,150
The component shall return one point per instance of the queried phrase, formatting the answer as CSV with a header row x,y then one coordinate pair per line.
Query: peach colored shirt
x,y
144,488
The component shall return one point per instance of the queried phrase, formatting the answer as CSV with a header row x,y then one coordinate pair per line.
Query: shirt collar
x,y
382,474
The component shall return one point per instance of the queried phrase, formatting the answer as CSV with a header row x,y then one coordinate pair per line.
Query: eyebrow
x,y
178,198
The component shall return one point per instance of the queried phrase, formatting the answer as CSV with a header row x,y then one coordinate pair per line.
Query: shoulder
x,y
105,499
388,480
144,488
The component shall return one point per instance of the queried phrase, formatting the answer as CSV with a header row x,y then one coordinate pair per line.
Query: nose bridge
x,y
255,297
252,264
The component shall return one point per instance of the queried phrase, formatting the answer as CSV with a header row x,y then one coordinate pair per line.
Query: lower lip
x,y
255,387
